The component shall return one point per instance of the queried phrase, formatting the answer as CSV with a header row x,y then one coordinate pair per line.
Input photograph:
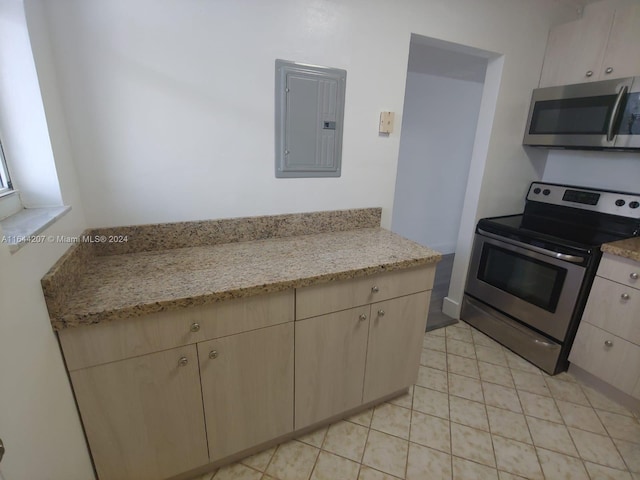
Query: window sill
x,y
24,226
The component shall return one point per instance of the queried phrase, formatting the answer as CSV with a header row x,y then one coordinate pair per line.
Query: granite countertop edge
x,y
627,248
167,267
70,320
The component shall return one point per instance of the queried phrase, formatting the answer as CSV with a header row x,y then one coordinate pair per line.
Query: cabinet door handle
x,y
381,313
633,276
608,70
213,354
608,343
589,73
195,327
625,296
375,289
183,361
1,449
362,317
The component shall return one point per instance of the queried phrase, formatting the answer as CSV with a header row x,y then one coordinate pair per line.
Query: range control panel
x,y
603,201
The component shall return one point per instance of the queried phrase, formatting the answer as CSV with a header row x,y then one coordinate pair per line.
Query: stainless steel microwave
x,y
588,116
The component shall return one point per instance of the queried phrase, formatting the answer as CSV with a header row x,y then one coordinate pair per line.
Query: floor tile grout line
x,y
406,465
449,407
555,402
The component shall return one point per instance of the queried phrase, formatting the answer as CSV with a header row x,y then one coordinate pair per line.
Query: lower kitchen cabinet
x,y
395,342
247,388
607,343
608,357
331,352
355,356
143,416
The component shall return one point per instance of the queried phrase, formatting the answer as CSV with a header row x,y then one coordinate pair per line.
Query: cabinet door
x,y
247,388
395,341
606,356
575,48
614,308
621,55
143,416
330,357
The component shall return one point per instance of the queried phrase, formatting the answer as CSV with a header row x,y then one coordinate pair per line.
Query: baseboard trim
x,y
451,308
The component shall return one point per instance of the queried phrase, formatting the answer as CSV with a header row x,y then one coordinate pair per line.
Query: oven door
x,y
520,280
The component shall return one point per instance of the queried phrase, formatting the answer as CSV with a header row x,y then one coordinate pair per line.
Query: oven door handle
x,y
544,251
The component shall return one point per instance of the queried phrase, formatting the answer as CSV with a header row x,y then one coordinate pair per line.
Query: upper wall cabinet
x,y
597,47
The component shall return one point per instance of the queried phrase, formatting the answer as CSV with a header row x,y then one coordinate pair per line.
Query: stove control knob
x,y
546,191
634,204
536,190
620,202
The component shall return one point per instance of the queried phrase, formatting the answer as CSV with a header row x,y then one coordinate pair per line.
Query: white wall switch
x,y
386,122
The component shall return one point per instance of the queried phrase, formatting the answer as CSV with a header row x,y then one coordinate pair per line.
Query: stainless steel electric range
x,y
530,274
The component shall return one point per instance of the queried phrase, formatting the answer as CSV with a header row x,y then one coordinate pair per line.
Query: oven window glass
x,y
536,282
572,116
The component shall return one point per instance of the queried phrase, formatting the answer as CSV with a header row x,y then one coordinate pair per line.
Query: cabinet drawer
x,y
107,342
618,364
614,308
335,296
620,269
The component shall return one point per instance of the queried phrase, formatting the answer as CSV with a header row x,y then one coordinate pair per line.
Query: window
x,y
5,181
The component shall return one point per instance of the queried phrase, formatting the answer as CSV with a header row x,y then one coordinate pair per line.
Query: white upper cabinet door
x,y
622,57
575,51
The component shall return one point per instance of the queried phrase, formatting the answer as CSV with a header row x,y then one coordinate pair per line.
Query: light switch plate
x,y
386,122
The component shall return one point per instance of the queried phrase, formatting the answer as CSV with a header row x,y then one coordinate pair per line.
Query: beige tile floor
x,y
477,412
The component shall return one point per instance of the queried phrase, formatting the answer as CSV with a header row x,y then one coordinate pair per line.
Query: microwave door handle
x,y
614,114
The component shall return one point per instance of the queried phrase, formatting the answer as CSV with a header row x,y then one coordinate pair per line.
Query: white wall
x,y
439,126
169,112
608,170
170,104
38,419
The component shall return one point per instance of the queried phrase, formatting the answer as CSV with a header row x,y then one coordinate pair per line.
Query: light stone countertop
x,y
627,248
134,284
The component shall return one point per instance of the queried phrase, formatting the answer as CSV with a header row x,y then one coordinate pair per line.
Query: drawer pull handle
x,y
633,276
195,327
608,343
625,296
213,354
381,313
183,361
375,289
362,317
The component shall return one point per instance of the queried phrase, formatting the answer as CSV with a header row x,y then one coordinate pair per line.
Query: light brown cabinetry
x,y
174,391
247,388
607,344
599,46
357,355
143,416
395,341
331,352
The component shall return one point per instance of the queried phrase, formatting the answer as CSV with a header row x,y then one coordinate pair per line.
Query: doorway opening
x,y
442,118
